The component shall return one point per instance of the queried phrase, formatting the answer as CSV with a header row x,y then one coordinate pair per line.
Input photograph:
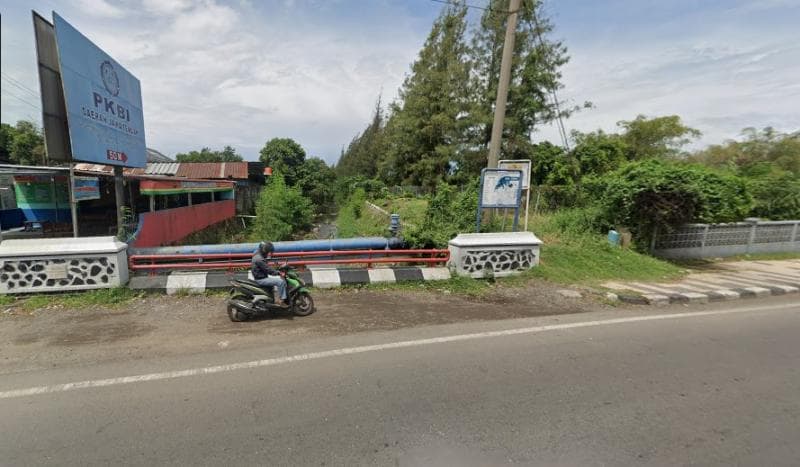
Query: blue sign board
x,y
104,102
500,188
86,188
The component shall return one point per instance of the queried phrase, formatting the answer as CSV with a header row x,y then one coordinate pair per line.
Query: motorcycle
x,y
248,298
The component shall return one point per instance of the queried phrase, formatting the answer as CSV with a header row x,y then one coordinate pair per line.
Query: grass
x,y
463,286
108,298
411,210
571,254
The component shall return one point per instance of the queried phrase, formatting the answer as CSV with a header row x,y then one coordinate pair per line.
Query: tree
x,y
758,146
658,137
362,154
316,180
281,212
22,144
597,152
426,130
228,154
535,74
285,156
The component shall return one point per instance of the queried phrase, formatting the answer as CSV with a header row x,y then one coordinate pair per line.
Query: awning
x,y
171,187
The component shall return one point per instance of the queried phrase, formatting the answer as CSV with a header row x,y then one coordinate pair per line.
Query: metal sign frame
x,y
515,206
526,172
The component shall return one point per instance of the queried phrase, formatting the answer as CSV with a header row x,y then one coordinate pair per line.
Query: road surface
x,y
717,385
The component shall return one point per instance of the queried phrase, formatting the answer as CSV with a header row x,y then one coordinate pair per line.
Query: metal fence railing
x,y
163,263
720,240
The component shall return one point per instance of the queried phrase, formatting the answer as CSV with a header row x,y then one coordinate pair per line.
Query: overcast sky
x,y
241,72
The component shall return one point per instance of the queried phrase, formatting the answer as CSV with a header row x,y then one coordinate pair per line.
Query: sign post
x,y
499,189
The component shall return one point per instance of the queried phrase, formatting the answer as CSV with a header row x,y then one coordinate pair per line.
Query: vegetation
x,y
107,298
22,143
281,212
228,154
284,156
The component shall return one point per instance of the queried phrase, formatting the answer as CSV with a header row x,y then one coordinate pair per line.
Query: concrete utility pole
x,y
502,87
119,193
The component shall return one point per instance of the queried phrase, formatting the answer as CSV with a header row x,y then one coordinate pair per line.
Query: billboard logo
x,y
116,156
110,78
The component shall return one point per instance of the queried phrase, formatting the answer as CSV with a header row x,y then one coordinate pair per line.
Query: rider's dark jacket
x,y
260,268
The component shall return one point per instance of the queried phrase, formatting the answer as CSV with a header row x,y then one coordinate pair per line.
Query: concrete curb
x,y
706,297
199,282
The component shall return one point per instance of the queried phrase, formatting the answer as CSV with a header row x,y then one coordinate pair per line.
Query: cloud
x,y
100,8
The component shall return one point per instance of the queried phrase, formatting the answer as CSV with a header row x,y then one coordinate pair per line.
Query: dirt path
x,y
158,325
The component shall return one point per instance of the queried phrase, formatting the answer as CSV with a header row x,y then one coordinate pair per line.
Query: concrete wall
x,y
62,264
499,254
165,227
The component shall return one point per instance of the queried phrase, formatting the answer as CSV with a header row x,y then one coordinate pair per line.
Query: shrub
x,y
449,212
656,194
281,212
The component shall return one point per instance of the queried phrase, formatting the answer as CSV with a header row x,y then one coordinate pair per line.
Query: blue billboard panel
x,y
104,102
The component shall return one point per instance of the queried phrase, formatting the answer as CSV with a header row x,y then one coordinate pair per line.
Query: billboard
x,y
103,102
500,188
523,165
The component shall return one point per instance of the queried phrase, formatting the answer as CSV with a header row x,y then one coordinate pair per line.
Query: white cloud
x,y
100,8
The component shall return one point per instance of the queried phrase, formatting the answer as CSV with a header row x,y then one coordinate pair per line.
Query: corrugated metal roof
x,y
196,170
162,168
213,170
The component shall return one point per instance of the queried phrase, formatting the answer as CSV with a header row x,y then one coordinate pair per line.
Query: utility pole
x,y
502,87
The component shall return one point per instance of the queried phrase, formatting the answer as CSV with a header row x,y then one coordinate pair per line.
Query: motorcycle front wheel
x,y
303,304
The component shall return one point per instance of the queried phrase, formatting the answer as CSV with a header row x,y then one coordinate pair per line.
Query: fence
x,y
160,263
720,240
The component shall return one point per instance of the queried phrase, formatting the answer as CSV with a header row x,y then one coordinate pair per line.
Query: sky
x,y
240,72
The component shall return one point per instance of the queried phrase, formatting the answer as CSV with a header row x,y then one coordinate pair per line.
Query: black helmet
x,y
265,248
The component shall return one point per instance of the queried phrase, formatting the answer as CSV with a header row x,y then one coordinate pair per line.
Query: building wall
x,y
165,227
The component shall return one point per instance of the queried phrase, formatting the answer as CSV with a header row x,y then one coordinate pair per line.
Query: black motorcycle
x,y
249,299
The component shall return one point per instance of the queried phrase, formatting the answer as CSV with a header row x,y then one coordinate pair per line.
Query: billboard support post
x,y
119,192
73,205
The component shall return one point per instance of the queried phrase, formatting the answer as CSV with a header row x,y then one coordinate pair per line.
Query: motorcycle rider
x,y
265,275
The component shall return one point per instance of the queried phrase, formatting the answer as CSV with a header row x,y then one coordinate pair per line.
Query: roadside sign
x,y
103,102
500,188
523,165
85,188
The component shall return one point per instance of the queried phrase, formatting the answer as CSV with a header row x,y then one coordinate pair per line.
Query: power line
x,y
20,84
21,99
457,3
562,131
20,88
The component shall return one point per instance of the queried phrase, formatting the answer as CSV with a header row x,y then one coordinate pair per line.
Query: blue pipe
x,y
358,243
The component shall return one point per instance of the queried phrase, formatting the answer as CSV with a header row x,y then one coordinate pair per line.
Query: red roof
x,y
213,170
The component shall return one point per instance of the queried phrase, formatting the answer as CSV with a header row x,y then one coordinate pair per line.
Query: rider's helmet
x,y
265,248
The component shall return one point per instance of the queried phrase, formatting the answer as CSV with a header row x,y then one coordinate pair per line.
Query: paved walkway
x,y
721,281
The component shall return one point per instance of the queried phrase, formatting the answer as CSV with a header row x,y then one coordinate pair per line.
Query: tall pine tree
x,y
425,133
535,72
362,154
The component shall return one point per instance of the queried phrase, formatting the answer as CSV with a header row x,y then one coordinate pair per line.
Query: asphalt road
x,y
609,388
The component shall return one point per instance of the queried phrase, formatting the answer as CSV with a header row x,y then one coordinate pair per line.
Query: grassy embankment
x,y
107,298
569,255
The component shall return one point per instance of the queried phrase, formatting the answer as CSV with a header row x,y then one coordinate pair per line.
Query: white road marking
x,y
96,383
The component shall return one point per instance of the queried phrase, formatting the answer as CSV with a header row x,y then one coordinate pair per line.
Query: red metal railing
x,y
233,261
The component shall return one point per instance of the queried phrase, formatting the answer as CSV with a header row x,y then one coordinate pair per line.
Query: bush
x,y
656,194
449,212
281,212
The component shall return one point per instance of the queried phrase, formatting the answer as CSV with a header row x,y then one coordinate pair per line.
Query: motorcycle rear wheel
x,y
234,313
303,304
